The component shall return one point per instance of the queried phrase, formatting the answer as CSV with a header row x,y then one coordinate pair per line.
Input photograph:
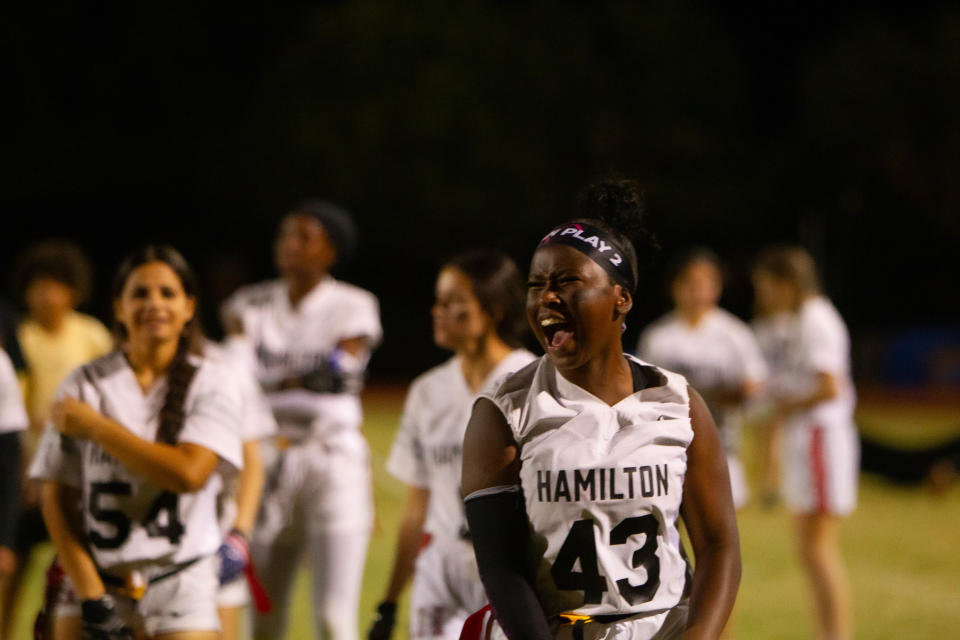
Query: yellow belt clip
x,y
571,618
135,585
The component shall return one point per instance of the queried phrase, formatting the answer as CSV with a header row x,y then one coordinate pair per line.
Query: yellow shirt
x,y
51,356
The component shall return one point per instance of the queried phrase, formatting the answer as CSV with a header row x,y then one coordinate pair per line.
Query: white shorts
x,y
668,625
185,601
235,593
322,485
820,468
446,589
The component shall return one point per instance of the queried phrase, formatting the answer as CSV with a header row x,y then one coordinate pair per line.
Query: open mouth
x,y
557,331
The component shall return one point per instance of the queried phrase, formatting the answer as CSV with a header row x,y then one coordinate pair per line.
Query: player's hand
x,y
382,627
234,556
71,417
102,622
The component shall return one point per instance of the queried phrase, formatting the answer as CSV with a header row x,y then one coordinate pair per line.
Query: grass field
x,y
900,544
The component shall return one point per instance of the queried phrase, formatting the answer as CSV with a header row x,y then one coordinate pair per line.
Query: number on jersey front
x,y
580,545
162,519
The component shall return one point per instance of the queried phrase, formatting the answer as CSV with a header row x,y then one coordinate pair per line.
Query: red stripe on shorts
x,y
819,469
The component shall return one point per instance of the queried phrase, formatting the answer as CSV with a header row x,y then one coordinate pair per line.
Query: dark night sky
x,y
476,125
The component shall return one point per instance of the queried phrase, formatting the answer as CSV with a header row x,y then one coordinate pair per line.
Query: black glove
x,y
102,622
382,627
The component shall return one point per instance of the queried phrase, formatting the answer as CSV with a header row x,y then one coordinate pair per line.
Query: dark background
x,y
448,127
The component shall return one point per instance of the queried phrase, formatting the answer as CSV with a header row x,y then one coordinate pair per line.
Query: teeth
x,y
546,322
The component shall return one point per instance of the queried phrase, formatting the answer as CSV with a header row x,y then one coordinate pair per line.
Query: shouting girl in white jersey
x,y
577,467
308,338
130,467
713,349
814,398
478,314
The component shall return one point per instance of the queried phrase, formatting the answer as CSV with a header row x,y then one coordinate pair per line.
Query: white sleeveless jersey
x,y
13,415
720,352
128,521
603,487
427,450
284,341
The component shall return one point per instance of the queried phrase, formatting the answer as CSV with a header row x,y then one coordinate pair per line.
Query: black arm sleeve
x,y
9,486
501,539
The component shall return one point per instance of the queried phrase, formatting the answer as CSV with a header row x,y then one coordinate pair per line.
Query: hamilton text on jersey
x,y
610,483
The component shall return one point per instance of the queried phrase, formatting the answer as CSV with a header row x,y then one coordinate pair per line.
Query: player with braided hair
x,y
132,463
578,466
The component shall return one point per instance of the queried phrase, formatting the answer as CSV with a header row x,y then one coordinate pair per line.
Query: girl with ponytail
x,y
577,468
131,466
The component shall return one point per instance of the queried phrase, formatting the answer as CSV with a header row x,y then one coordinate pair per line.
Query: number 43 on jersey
x,y
581,545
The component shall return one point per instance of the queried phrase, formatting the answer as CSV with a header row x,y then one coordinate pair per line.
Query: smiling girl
x,y
577,468
130,467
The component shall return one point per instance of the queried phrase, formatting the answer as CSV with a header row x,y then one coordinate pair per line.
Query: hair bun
x,y
619,203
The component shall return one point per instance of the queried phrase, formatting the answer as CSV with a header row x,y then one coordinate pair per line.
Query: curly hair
x,y
60,260
617,206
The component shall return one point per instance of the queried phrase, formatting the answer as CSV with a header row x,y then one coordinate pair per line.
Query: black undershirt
x,y
645,377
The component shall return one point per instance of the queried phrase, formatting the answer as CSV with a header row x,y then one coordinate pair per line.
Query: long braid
x,y
173,412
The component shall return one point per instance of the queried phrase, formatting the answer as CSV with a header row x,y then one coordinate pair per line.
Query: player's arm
x,y
59,506
708,514
234,552
409,538
180,468
408,541
498,522
825,388
341,371
250,488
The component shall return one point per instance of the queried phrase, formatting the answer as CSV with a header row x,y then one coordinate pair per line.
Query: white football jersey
x,y
284,341
720,352
820,343
257,419
603,487
427,451
13,415
128,521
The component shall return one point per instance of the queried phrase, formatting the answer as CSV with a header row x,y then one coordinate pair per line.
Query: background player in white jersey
x,y
591,456
13,422
478,314
713,349
239,501
132,464
815,400
308,338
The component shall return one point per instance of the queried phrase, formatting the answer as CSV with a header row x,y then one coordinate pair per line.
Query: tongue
x,y
560,337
